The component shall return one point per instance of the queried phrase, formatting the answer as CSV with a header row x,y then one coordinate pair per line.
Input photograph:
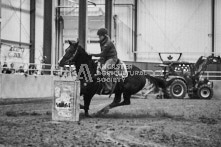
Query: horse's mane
x,y
82,50
87,58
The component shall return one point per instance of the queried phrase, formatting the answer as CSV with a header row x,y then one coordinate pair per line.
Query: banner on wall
x,y
13,54
170,56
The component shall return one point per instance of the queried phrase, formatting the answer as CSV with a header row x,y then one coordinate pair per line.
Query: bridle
x,y
73,56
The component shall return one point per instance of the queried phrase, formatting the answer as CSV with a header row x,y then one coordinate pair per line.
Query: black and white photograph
x,y
110,73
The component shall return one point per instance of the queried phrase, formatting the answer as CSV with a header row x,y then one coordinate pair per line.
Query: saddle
x,y
116,75
119,69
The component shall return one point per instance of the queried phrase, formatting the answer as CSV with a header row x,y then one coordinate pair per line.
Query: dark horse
x,y
133,83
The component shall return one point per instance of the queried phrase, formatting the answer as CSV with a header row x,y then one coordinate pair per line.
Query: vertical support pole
x,y
60,37
32,30
135,31
0,39
59,26
83,23
213,26
20,22
57,13
108,16
47,37
213,3
53,32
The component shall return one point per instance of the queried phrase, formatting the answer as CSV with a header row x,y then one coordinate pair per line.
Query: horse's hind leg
x,y
115,103
116,100
126,99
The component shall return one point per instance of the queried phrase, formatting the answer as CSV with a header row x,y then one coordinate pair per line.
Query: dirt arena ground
x,y
149,123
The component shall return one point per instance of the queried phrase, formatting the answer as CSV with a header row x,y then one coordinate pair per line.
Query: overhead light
x,y
73,1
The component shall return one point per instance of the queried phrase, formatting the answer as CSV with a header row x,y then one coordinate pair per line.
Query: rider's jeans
x,y
108,64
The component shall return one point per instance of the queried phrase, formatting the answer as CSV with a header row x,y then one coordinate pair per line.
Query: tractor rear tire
x,y
177,89
205,92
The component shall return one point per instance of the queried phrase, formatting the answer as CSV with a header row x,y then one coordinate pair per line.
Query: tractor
x,y
181,78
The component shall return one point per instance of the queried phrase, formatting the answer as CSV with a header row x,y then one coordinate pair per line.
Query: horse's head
x,y
69,55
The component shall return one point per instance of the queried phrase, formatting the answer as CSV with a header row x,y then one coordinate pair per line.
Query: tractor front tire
x,y
205,92
177,89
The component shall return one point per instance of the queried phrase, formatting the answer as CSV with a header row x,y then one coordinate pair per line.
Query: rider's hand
x,y
90,54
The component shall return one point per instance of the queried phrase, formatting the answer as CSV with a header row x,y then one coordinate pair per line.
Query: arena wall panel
x,y
173,26
0,85
216,89
16,21
124,31
217,27
20,86
39,21
41,86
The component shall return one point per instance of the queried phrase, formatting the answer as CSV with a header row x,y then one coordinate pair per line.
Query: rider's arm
x,y
103,53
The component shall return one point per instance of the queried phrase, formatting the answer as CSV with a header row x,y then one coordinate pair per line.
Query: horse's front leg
x,y
81,106
87,101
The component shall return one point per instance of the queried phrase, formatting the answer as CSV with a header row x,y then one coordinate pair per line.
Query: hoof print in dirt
x,y
23,113
35,113
102,112
48,113
207,120
11,113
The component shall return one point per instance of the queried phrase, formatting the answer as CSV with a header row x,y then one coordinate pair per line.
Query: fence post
x,y
70,71
52,69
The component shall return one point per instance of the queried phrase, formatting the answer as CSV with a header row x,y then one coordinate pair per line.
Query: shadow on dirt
x,y
209,121
25,101
158,114
24,113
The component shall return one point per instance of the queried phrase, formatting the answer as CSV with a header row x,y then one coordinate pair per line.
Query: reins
x,y
73,56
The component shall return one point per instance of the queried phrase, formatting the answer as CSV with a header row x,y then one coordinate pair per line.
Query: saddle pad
x,y
122,70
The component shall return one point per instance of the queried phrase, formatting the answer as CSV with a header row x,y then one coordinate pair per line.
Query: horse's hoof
x,y
105,111
125,103
88,116
81,106
114,105
98,113
159,97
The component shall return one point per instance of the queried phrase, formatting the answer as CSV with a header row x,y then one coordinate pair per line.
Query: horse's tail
x,y
158,82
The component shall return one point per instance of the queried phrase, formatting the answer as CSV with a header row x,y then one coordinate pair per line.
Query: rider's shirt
x,y
108,50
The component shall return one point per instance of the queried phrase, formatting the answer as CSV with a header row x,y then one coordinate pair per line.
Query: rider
x,y
108,55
